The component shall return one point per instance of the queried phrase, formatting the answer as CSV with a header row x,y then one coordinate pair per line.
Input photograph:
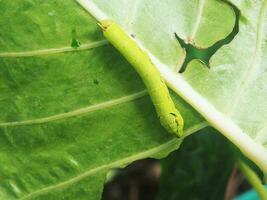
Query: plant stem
x,y
253,179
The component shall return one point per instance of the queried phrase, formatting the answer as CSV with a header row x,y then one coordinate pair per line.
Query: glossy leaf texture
x,y
68,115
231,93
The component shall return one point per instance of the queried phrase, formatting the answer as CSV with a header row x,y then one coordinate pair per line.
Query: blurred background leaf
x,y
199,170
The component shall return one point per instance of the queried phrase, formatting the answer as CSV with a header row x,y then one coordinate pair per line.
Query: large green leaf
x,y
69,115
231,95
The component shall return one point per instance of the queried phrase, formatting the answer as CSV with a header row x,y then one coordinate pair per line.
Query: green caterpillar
x,y
169,116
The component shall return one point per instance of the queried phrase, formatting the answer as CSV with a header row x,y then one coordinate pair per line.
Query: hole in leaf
x,y
204,55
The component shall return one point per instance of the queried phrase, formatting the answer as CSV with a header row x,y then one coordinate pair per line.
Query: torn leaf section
x,y
236,82
204,54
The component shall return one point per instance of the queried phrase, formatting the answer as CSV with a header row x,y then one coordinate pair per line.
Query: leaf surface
x,y
68,115
237,83
154,23
231,94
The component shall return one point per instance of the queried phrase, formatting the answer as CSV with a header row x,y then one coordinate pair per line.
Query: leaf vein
x,y
252,70
78,112
198,19
119,163
54,50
